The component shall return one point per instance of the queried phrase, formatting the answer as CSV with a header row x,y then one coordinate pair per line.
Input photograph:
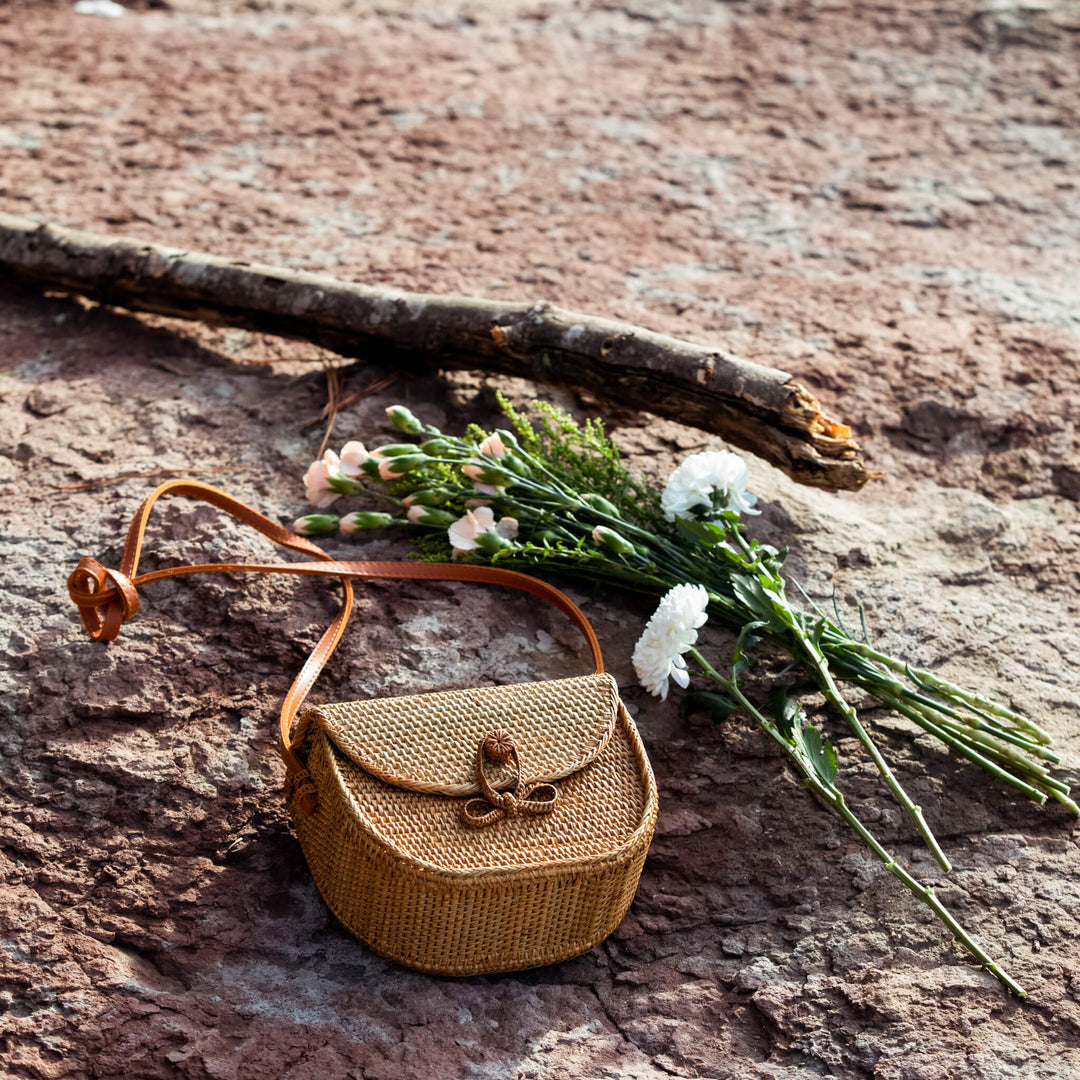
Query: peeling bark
x,y
757,408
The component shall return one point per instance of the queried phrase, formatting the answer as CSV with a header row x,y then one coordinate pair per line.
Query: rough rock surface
x,y
881,198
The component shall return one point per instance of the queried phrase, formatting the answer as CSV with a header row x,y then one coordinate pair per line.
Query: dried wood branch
x,y
754,407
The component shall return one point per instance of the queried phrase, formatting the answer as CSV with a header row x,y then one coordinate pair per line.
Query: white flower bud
x,y
404,420
365,519
315,525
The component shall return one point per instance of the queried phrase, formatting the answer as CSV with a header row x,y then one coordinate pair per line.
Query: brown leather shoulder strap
x,y
106,599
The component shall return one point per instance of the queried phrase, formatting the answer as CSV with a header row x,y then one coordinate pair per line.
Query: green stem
x,y
951,690
968,751
835,799
1001,748
1051,786
819,665
832,693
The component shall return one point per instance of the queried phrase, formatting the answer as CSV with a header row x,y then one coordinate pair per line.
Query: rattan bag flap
x,y
428,742
457,832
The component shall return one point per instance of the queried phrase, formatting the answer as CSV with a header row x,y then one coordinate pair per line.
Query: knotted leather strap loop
x,y
106,599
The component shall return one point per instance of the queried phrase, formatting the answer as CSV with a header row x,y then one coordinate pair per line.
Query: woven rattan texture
x,y
427,742
406,877
599,808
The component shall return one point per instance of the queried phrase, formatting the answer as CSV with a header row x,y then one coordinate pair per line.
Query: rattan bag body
x,y
458,832
401,869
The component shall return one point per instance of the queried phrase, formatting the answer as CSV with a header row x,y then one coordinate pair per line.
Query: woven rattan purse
x,y
458,832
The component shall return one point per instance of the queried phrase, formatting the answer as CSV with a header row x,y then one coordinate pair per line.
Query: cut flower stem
x,y
832,797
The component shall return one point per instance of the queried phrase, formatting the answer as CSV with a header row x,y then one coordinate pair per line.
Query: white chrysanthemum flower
x,y
715,479
672,631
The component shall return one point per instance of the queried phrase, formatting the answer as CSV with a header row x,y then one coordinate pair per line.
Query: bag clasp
x,y
478,812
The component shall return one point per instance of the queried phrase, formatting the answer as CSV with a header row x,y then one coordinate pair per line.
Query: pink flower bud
x,y
493,446
353,456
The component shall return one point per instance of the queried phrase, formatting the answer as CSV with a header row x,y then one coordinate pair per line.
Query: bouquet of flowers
x,y
552,497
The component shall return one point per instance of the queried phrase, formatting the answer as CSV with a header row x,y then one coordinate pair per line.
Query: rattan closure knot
x,y
495,805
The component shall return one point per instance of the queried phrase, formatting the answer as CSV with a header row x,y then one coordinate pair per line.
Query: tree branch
x,y
757,408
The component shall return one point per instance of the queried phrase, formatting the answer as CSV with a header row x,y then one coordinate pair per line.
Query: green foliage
x,y
433,546
432,474
583,459
747,639
526,433
807,743
474,434
762,603
707,533
802,741
719,707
